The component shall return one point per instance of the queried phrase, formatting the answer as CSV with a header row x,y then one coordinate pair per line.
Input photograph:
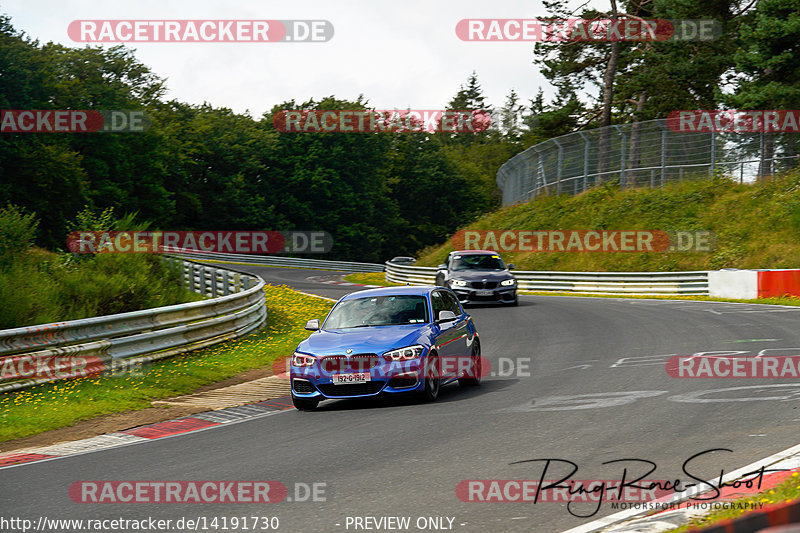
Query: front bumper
x,y
499,295
386,378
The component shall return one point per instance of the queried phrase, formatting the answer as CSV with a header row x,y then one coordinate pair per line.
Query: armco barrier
x,y
585,282
276,260
37,354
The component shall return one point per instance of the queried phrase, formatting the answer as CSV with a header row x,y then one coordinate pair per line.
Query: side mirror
x,y
313,324
511,266
442,267
446,316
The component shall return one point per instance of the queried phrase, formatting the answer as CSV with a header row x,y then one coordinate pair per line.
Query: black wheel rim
x,y
433,380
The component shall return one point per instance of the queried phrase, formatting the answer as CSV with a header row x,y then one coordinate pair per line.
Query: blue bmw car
x,y
392,340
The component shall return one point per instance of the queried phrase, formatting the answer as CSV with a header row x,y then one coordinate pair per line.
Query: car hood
x,y
363,340
480,275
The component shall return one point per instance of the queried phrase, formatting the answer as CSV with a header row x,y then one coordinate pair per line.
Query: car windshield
x,y
478,262
378,311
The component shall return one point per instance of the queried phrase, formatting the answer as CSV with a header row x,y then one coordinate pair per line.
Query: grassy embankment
x,y
756,226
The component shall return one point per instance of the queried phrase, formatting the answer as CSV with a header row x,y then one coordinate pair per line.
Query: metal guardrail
x,y
582,282
644,153
31,355
275,260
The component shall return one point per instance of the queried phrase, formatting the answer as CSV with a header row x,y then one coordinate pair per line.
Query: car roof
x,y
410,290
474,252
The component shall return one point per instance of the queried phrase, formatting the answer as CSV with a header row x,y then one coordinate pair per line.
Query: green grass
x,y
60,404
786,492
757,225
370,278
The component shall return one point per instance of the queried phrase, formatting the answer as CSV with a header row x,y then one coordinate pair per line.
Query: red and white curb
x,y
635,520
138,435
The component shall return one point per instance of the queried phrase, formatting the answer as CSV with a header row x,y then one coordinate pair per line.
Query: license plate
x,y
347,379
484,293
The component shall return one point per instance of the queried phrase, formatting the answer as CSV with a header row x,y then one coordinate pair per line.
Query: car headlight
x,y
404,354
302,360
508,282
458,283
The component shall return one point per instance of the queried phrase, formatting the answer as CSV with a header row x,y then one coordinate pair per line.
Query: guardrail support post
x,y
197,279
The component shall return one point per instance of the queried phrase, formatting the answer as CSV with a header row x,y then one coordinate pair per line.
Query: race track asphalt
x,y
577,379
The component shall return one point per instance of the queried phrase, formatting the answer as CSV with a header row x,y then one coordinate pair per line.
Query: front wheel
x,y
473,376
304,404
433,380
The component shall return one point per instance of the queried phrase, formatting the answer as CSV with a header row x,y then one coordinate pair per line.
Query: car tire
x,y
304,404
515,302
432,379
476,368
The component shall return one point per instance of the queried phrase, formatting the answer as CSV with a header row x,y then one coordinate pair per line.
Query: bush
x,y
42,287
17,233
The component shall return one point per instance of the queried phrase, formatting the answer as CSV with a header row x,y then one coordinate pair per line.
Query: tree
x,y
767,73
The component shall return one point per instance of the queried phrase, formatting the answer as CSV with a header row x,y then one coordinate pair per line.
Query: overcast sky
x,y
397,54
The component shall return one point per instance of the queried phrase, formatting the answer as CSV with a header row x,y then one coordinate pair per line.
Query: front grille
x,y
484,285
302,386
354,389
360,362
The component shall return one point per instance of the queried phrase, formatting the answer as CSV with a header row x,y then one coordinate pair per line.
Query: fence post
x,y
761,157
622,177
536,171
663,156
713,150
585,160
559,165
